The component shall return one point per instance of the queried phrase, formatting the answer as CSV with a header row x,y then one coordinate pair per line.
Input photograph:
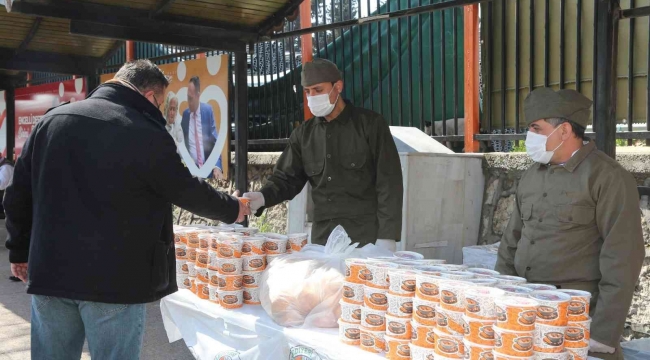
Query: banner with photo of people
x,y
196,110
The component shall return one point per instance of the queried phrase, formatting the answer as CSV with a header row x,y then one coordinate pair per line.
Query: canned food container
x,y
482,281
353,292
177,237
477,351
397,349
213,277
181,267
193,239
400,306
191,269
375,298
551,356
396,327
424,312
231,299
182,281
350,313
514,343
253,245
184,236
457,275
449,346
422,353
498,356
202,274
408,255
485,272
432,262
510,280
450,322
431,269
272,257
246,231
297,241
577,334
202,258
379,274
537,287
479,332
252,296
349,333
230,282
553,307
213,259
514,290
192,284
191,254
578,353
452,295
373,320
373,341
181,251
479,302
202,290
579,304
274,246
230,266
252,278
402,282
516,313
254,262
454,267
549,339
214,242
229,248
204,240
426,287
423,335
214,294
356,271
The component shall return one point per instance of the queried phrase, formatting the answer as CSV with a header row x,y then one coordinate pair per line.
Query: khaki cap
x,y
544,103
319,71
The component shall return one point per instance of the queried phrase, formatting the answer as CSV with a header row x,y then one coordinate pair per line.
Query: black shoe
x,y
13,278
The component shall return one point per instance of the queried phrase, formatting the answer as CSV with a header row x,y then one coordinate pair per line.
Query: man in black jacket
x,y
89,216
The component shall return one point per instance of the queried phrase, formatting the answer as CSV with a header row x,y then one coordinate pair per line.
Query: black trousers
x,y
361,229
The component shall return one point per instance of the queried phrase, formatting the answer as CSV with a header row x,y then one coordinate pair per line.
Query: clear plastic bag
x,y
304,288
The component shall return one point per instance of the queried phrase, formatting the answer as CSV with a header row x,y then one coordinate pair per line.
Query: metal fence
x,y
532,43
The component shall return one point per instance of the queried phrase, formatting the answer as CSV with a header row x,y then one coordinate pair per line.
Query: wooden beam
x,y
471,78
161,8
154,35
279,16
47,62
30,35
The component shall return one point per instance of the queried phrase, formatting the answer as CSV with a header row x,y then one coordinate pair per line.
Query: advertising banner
x,y
196,109
32,103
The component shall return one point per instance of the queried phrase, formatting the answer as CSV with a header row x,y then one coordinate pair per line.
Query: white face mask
x,y
320,105
536,147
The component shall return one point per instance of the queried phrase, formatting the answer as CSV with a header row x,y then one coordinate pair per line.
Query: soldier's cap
x,y
544,103
319,71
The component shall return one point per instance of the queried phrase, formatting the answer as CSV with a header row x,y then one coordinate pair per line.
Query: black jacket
x,y
90,206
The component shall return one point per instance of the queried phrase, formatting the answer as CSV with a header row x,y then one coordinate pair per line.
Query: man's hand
x,y
244,207
596,347
386,244
256,200
217,174
20,271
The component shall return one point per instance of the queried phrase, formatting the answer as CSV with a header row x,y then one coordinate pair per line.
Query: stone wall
x,y
502,173
260,167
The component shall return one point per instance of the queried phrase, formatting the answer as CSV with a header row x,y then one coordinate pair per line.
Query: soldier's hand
x,y
256,200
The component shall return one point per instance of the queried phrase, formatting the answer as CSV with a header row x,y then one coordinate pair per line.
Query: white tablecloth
x,y
212,333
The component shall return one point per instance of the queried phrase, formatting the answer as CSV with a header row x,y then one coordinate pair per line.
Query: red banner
x,y
32,103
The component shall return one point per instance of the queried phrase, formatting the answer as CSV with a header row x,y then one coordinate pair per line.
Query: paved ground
x,y
15,327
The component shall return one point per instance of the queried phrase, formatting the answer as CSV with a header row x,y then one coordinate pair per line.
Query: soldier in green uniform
x,y
576,222
348,156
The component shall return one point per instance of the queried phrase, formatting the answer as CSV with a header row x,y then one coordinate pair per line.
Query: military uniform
x,y
353,167
578,226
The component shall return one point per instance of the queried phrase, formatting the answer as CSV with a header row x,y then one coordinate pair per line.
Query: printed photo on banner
x,y
196,110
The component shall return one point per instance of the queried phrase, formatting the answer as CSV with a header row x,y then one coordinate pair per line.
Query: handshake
x,y
248,204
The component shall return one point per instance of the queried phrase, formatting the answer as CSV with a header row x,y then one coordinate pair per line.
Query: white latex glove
x,y
256,200
595,346
389,245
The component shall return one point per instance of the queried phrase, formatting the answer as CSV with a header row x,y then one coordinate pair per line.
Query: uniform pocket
x,y
354,161
314,168
574,214
526,211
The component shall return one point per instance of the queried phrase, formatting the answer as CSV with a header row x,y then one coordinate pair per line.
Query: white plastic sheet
x,y
636,349
212,332
483,256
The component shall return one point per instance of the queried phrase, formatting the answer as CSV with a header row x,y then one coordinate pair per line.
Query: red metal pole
x,y
130,50
307,48
471,77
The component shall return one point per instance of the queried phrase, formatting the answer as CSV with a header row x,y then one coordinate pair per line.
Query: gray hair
x,y
144,75
577,129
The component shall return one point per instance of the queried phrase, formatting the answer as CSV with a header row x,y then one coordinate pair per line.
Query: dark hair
x,y
577,129
197,83
144,75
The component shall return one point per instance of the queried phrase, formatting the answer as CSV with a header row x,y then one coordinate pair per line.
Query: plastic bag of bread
x,y
304,288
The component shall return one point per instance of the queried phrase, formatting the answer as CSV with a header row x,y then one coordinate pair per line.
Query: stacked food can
x,y
479,321
275,245
514,330
425,304
297,242
352,303
578,331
